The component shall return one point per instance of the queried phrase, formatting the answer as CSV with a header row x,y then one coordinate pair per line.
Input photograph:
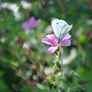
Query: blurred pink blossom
x,y
31,24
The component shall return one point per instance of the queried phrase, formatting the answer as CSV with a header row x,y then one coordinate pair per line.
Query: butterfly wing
x,y
54,22
65,30
60,28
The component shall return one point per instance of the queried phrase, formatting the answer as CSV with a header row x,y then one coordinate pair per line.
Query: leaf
x,y
89,88
1,73
3,87
58,64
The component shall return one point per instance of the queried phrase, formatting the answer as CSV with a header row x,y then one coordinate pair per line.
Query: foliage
x,y
25,62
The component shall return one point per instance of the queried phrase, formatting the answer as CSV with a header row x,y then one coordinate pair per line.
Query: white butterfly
x,y
60,28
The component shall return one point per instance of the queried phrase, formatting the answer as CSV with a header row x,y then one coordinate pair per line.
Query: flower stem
x,y
53,69
57,58
61,62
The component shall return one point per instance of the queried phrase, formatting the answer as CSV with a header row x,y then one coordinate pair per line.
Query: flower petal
x,y
25,25
51,36
52,49
46,41
65,43
39,20
68,36
52,39
32,22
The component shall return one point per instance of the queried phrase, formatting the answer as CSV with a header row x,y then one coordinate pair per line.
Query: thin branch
x,y
0,2
37,70
74,28
43,4
12,10
61,6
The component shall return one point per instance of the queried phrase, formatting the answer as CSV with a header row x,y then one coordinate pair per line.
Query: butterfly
x,y
60,28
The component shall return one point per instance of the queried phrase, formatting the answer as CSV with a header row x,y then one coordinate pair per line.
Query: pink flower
x,y
52,40
31,24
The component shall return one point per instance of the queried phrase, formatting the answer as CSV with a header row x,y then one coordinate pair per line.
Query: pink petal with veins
x,y
52,49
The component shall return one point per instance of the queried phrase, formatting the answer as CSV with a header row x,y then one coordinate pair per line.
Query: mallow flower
x,y
31,24
53,41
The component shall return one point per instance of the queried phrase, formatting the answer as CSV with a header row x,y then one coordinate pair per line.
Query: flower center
x,y
55,43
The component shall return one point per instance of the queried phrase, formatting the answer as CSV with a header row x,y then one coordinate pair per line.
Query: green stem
x,y
53,69
57,58
61,62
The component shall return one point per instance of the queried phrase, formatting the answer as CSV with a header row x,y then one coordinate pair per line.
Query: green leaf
x,y
3,87
58,64
1,73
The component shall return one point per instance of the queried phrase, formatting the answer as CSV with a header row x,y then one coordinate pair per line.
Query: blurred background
x,y
25,61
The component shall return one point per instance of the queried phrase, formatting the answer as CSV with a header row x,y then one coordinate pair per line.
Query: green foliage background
x,y
22,69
